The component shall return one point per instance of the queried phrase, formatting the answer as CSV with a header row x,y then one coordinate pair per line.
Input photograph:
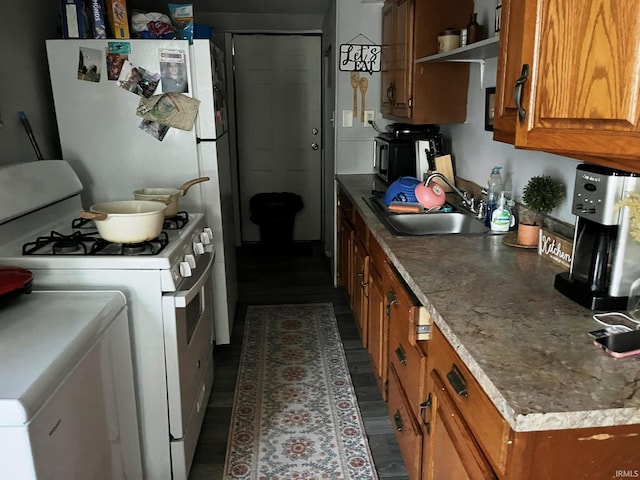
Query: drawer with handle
x,y
410,362
408,431
489,428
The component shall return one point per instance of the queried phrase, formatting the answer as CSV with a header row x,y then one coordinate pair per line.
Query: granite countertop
x,y
524,342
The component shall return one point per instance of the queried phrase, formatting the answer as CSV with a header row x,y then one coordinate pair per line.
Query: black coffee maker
x,y
606,259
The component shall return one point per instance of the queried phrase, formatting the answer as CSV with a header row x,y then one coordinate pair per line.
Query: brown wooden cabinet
x,y
407,429
466,436
424,92
359,297
509,70
407,360
459,392
451,450
378,318
578,64
353,261
397,57
446,424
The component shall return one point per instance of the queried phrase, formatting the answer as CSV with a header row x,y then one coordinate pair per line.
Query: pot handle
x,y
93,215
187,185
164,200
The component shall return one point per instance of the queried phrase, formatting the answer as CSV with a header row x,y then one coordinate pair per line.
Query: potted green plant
x,y
540,196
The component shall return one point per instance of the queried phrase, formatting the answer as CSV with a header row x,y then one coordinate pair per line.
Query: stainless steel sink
x,y
427,223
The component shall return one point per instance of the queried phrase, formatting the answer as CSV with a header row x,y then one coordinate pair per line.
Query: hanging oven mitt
x,y
171,109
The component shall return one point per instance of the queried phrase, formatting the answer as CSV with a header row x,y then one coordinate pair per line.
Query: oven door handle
x,y
182,298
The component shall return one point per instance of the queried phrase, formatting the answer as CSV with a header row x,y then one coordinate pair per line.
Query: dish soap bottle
x,y
501,219
495,188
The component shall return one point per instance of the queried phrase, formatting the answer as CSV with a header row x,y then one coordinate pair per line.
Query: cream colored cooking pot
x,y
170,195
127,221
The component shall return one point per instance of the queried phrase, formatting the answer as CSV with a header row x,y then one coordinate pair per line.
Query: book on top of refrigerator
x,y
118,19
98,23
74,19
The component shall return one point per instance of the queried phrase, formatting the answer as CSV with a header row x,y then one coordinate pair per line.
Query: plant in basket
x,y
540,195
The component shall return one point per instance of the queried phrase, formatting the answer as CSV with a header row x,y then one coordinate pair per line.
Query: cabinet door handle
x,y
397,419
401,355
517,93
391,300
390,95
423,408
391,297
457,381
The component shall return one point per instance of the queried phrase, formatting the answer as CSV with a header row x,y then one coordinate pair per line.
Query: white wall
x,y
361,23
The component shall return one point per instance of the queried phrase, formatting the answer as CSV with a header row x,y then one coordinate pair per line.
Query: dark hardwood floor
x,y
299,275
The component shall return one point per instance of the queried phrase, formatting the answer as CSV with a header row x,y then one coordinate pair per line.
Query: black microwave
x,y
395,157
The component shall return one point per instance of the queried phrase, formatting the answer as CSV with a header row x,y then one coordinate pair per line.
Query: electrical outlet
x,y
347,118
369,116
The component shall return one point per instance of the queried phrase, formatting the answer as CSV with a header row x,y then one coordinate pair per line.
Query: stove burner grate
x,y
61,244
177,222
90,243
150,247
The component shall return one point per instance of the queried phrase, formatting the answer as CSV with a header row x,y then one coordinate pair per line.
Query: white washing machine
x,y
67,401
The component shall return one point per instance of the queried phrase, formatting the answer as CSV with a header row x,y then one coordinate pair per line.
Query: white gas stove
x,y
168,285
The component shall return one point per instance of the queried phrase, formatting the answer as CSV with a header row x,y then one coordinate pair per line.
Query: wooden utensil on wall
x,y
355,82
364,84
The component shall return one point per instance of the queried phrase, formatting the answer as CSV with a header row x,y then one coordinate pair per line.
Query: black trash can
x,y
274,213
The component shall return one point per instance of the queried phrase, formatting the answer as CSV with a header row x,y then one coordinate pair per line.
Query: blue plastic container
x,y
402,190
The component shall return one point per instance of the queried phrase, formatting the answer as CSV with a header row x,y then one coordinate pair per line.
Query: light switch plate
x,y
347,118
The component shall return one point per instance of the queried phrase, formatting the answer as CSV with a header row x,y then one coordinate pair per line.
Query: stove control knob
x,y
191,260
185,269
198,248
205,238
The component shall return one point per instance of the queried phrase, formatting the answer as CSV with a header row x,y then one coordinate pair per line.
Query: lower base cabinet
x,y
446,425
450,450
407,429
377,329
469,439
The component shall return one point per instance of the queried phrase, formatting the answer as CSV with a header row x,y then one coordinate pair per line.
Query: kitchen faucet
x,y
466,201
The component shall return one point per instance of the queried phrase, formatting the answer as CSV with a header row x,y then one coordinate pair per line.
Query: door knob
x,y
315,146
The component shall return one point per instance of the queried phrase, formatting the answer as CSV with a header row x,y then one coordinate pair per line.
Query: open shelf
x,y
476,51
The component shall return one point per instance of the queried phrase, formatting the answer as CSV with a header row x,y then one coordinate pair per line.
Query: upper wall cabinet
x,y
397,57
434,92
568,79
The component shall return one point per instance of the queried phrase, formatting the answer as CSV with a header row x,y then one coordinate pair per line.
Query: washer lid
x,y
43,336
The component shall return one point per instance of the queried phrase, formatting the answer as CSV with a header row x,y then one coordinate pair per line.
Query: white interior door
x,y
278,102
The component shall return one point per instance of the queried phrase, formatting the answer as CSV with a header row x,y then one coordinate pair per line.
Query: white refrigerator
x,y
115,152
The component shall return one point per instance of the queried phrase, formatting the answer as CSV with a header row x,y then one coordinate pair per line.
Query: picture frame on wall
x,y
489,108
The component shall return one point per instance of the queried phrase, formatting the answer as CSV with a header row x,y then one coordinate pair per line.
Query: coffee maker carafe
x,y
606,259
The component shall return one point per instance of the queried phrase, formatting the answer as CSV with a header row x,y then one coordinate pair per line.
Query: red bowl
x,y
13,279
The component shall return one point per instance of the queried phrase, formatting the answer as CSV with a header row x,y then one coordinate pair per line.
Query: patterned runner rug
x,y
295,413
